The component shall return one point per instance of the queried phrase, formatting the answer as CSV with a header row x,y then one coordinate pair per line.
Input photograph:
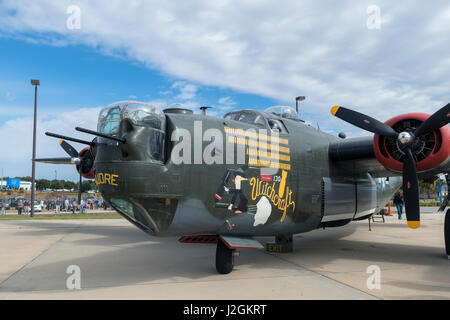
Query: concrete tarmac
x,y
118,261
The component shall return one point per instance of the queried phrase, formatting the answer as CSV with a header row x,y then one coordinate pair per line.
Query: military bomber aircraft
x,y
251,173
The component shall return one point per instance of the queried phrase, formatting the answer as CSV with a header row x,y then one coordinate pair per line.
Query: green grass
x,y
64,216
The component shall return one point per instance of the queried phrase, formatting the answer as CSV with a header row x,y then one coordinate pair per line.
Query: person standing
x,y
66,205
82,206
57,205
19,206
74,206
398,201
3,207
25,206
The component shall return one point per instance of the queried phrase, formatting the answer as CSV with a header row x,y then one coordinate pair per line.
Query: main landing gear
x,y
224,258
227,247
447,233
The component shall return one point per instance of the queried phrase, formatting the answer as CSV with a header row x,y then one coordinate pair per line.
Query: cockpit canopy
x,y
139,113
260,119
283,112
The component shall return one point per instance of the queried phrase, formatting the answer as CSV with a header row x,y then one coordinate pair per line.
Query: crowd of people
x,y
58,205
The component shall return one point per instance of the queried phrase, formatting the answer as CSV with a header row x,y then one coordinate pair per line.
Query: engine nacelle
x,y
430,151
88,168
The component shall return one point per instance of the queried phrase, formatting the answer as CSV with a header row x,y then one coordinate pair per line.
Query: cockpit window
x,y
260,121
140,114
109,120
283,112
277,126
247,116
144,115
131,211
156,144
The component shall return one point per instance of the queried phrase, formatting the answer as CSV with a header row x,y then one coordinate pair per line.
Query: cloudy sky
x,y
226,54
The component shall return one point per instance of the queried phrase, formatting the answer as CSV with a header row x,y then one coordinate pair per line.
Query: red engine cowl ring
x,y
439,153
90,173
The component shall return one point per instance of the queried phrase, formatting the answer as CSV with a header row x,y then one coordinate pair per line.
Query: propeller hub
x,y
75,161
405,138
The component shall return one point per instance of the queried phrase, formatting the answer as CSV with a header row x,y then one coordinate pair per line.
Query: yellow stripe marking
x,y
254,135
266,154
268,164
256,144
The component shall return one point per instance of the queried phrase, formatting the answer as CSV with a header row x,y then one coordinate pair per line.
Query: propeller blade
x,y
364,122
439,119
79,191
444,204
58,160
411,190
54,135
69,149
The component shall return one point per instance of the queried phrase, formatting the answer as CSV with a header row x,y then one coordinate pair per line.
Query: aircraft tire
x,y
447,232
224,258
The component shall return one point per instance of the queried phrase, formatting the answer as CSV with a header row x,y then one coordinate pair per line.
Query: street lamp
x,y
34,83
297,99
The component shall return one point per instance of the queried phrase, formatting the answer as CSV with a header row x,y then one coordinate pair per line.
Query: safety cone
x,y
389,206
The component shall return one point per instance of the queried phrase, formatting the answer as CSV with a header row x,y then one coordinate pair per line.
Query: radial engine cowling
x,y
87,163
431,150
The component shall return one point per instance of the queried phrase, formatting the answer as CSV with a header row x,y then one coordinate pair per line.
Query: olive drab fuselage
x,y
298,193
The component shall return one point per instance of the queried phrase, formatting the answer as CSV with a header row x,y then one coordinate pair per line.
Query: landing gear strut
x,y
447,233
224,258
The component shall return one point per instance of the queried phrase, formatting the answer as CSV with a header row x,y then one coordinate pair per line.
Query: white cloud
x,y
16,141
187,90
226,101
321,49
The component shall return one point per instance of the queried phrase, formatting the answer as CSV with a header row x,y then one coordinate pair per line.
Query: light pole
x,y
34,83
297,99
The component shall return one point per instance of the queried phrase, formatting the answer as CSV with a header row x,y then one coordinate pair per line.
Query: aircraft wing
x,y
356,156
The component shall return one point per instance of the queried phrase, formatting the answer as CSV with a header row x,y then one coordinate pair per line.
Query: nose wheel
x,y
447,233
224,258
